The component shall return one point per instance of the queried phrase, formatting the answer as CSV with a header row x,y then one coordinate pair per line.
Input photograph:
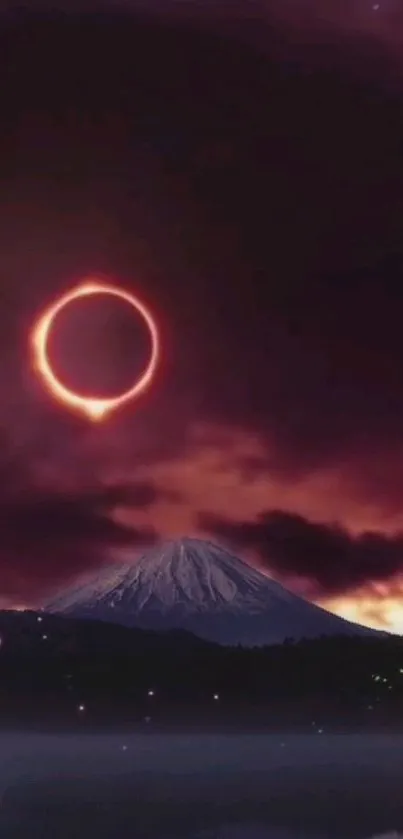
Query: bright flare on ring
x,y
95,409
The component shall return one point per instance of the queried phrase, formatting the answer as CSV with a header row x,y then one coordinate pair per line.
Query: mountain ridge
x,y
202,588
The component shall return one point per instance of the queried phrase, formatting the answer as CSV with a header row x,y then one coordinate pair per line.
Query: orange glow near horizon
x,y
94,408
385,613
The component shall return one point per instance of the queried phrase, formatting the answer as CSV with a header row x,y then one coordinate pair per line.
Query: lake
x,y
200,786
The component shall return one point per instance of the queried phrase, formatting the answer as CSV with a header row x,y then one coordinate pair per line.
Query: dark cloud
x,y
331,559
48,536
137,495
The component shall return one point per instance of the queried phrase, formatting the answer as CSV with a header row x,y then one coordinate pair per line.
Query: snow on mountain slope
x,y
195,585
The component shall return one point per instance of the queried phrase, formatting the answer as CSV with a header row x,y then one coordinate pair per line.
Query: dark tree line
x,y
57,667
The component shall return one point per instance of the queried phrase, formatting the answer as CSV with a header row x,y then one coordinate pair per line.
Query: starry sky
x,y
244,176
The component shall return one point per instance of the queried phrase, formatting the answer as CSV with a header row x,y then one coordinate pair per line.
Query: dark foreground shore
x,y
160,786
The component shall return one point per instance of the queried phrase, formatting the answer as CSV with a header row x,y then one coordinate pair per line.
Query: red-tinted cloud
x,y
255,196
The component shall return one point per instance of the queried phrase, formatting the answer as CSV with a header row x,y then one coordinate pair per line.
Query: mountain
x,y
197,586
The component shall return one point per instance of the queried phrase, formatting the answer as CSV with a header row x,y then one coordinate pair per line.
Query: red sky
x,y
248,183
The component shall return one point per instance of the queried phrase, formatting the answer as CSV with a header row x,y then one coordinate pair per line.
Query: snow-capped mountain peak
x,y
196,585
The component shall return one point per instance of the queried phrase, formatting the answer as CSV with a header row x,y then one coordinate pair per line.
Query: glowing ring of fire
x,y
95,409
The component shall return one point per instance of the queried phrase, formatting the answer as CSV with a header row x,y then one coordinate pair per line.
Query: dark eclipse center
x,y
99,346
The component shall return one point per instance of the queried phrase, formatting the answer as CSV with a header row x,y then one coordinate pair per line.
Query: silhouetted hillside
x,y
58,670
